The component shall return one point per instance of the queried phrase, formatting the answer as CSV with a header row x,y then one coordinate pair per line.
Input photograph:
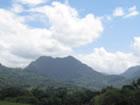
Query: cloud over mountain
x,y
20,42
113,62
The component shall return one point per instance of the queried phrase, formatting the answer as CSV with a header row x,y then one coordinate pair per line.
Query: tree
x,y
12,92
111,97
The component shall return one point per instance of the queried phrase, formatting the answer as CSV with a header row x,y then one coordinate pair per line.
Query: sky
x,y
103,34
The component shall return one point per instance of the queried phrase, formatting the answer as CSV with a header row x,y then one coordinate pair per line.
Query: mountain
x,y
58,72
7,76
132,72
71,71
18,77
67,68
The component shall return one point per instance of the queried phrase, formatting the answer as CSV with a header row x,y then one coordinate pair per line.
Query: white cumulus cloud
x,y
130,12
19,43
109,62
17,8
65,31
113,62
68,27
136,45
30,2
119,11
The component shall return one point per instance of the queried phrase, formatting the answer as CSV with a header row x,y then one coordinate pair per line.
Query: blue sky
x,y
119,39
117,34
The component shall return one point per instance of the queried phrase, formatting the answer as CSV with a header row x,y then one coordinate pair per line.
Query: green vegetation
x,y
9,103
127,95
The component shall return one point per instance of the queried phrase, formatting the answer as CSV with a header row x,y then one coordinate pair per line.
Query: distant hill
x,y
132,73
19,77
67,72
71,71
64,69
7,76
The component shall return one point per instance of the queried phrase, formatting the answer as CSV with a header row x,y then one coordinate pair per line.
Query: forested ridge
x,y
127,95
67,81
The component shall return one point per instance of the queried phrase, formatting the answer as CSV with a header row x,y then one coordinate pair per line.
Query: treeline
x,y
127,95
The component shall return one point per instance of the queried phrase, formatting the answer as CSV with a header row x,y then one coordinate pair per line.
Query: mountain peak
x,y
45,57
2,66
132,72
50,58
67,69
70,57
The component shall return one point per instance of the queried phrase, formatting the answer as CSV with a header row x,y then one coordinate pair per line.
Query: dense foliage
x,y
127,95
